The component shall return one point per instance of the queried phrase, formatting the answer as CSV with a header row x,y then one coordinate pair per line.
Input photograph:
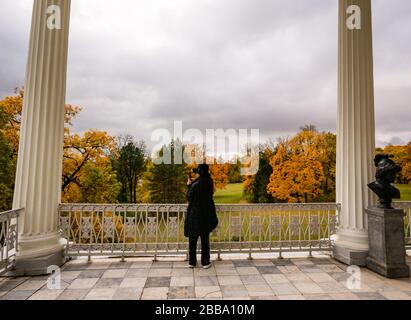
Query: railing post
x,y
219,255
280,255
158,225
9,238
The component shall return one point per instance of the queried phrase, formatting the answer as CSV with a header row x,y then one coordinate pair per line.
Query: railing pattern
x,y
406,206
8,239
152,229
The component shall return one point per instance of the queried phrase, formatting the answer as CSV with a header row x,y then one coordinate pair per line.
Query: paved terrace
x,y
319,278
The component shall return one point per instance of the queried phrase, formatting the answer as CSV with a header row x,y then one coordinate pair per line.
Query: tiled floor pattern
x,y
235,279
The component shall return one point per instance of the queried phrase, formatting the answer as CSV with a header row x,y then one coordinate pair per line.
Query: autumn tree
x,y
11,107
220,175
92,146
297,169
402,155
327,149
10,120
7,166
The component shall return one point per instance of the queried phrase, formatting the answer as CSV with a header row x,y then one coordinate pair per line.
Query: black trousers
x,y
205,249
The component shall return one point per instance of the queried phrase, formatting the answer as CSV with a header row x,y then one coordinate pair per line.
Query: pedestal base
x,y
389,271
349,256
387,254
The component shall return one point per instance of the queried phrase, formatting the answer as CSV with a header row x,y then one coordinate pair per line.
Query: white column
x,y
39,166
356,131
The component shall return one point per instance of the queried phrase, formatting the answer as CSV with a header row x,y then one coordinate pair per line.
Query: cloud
x,y
136,66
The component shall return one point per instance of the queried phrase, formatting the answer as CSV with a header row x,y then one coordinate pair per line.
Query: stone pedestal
x,y
387,255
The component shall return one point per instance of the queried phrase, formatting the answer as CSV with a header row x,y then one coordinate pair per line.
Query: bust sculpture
x,y
387,171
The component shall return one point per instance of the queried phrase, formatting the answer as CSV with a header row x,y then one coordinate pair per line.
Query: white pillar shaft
x,y
39,166
356,125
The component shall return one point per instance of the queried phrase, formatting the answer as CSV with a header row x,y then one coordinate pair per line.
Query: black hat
x,y
203,169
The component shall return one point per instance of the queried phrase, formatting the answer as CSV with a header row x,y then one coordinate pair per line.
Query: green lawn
x,y
232,194
405,191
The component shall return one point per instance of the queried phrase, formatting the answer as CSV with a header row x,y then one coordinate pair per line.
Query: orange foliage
x,y
402,155
220,175
297,169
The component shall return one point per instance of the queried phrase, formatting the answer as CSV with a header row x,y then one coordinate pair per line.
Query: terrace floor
x,y
234,278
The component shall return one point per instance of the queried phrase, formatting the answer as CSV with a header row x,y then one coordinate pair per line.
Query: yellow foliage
x,y
402,155
12,107
297,168
93,146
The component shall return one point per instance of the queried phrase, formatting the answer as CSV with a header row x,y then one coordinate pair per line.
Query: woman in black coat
x,y
201,218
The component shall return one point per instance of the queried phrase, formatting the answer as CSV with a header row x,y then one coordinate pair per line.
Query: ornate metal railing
x,y
406,206
8,239
151,229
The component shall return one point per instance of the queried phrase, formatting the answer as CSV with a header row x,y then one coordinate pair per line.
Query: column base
x,y
351,247
37,266
350,257
37,253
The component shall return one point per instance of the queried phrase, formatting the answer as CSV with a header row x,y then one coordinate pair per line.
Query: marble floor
x,y
233,278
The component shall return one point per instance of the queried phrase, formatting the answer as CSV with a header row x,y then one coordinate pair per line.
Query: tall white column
x,y
356,129
39,166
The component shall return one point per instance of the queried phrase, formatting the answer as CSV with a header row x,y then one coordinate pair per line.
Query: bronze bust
x,y
387,171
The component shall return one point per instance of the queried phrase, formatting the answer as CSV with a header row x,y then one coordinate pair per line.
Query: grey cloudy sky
x,y
138,65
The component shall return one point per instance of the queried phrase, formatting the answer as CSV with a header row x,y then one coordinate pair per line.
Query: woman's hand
x,y
189,182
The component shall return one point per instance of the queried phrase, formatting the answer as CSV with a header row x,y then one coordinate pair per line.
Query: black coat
x,y
201,216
